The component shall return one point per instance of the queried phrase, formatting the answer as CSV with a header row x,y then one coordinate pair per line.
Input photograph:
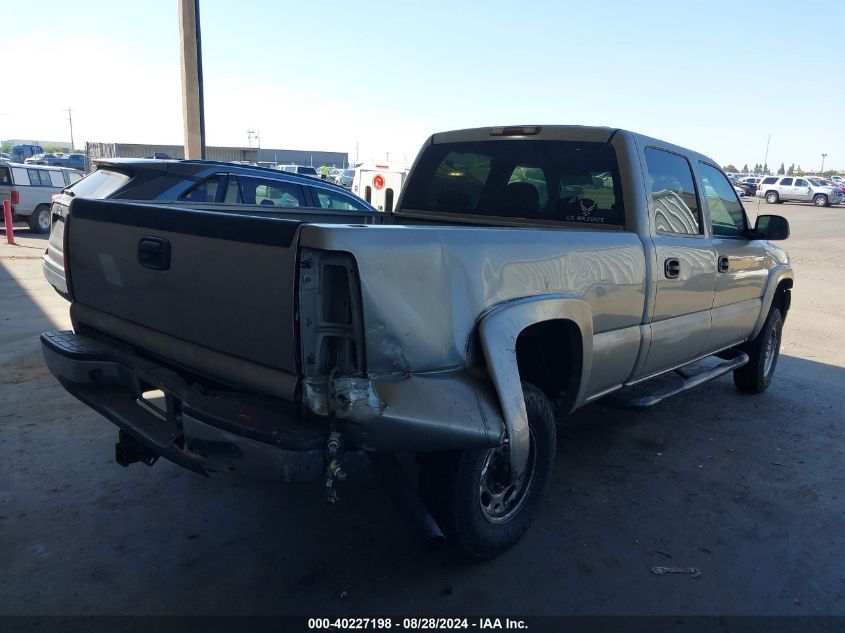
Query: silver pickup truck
x,y
525,272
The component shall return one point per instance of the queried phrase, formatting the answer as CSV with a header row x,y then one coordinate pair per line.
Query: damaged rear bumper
x,y
204,431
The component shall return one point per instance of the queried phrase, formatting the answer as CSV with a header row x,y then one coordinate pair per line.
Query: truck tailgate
x,y
213,286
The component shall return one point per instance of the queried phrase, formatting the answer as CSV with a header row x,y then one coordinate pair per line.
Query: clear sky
x,y
715,76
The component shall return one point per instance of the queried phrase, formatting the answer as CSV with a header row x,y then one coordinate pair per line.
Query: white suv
x,y
798,188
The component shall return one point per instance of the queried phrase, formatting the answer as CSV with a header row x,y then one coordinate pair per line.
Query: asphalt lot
x,y
748,489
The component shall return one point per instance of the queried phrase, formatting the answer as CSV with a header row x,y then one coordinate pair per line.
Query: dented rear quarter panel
x,y
424,287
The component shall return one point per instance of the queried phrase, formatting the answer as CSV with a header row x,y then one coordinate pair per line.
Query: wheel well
x,y
549,356
783,297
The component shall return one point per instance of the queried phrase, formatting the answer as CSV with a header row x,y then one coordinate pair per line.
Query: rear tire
x,y
772,197
470,492
39,220
763,353
820,200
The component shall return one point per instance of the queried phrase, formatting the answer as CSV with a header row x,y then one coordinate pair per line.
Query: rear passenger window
x,y
265,192
726,213
336,200
786,182
56,179
672,193
40,178
279,194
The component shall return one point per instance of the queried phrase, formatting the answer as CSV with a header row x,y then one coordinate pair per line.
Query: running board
x,y
735,361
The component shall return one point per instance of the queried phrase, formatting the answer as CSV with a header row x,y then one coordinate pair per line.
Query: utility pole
x,y
70,120
821,173
193,113
766,159
356,152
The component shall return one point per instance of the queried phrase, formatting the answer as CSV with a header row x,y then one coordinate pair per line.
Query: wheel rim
x,y
500,498
771,198
819,201
771,353
44,219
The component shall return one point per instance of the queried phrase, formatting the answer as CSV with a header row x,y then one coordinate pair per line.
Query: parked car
x,y
302,170
750,184
496,299
36,159
31,189
824,182
209,184
798,189
346,178
74,161
23,151
6,158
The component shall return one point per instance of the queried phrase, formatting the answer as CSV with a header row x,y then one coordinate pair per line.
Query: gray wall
x,y
304,157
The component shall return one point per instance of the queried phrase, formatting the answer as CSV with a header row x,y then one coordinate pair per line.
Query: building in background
x,y
229,154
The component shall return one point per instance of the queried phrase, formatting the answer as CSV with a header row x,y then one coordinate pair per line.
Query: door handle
x,y
154,252
672,268
724,264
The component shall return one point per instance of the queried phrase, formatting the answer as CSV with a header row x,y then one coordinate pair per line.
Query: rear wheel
x,y
39,220
473,496
763,353
772,197
820,200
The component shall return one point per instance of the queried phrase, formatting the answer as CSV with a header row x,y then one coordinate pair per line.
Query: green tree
x,y
766,168
745,168
799,171
781,170
730,168
791,170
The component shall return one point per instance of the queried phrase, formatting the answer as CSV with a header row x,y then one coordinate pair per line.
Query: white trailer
x,y
379,185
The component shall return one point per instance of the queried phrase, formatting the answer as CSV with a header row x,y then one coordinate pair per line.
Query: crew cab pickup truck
x,y
525,272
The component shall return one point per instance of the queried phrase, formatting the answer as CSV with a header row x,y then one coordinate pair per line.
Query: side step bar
x,y
734,360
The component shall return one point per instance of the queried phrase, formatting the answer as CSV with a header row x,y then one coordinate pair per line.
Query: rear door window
x,y
337,200
786,182
57,179
673,194
250,190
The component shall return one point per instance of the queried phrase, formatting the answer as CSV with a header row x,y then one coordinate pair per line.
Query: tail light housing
x,y
16,196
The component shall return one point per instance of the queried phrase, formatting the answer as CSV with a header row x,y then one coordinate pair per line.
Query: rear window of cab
x,y
565,181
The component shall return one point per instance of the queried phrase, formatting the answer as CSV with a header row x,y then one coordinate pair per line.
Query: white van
x,y
379,185
31,189
303,170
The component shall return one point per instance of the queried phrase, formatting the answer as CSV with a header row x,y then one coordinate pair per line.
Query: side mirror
x,y
771,227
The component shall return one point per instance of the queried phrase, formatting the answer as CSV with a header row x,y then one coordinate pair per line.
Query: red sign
x,y
378,181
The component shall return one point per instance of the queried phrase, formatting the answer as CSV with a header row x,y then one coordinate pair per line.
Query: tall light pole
x,y
70,120
766,159
822,171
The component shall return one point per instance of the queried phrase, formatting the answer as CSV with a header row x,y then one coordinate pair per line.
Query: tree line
x,y
759,169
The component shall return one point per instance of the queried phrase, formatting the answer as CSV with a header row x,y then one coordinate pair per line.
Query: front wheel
x,y
772,197
473,496
39,220
763,353
820,200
